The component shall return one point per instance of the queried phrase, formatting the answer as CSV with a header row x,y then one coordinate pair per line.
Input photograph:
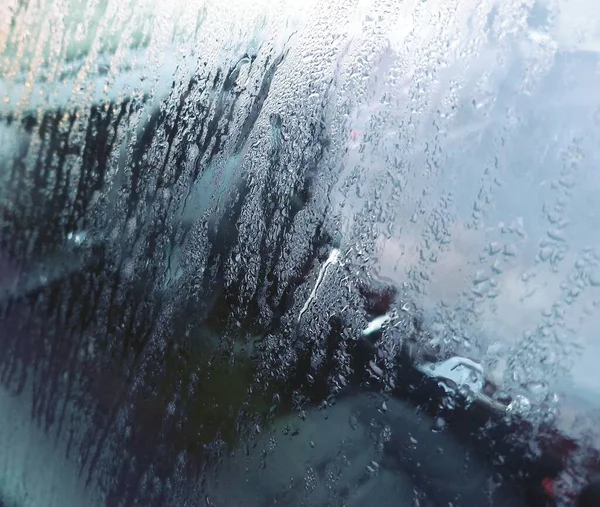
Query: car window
x,y
261,252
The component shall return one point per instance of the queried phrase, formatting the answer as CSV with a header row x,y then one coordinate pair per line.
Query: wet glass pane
x,y
305,253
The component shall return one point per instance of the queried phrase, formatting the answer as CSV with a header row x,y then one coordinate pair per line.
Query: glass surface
x,y
225,225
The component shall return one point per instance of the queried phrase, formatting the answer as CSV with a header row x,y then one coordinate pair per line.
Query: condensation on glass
x,y
193,193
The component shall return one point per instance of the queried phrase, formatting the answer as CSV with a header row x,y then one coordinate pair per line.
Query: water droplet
x,y
372,468
496,267
376,369
439,424
510,250
594,278
556,235
520,405
494,248
480,277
